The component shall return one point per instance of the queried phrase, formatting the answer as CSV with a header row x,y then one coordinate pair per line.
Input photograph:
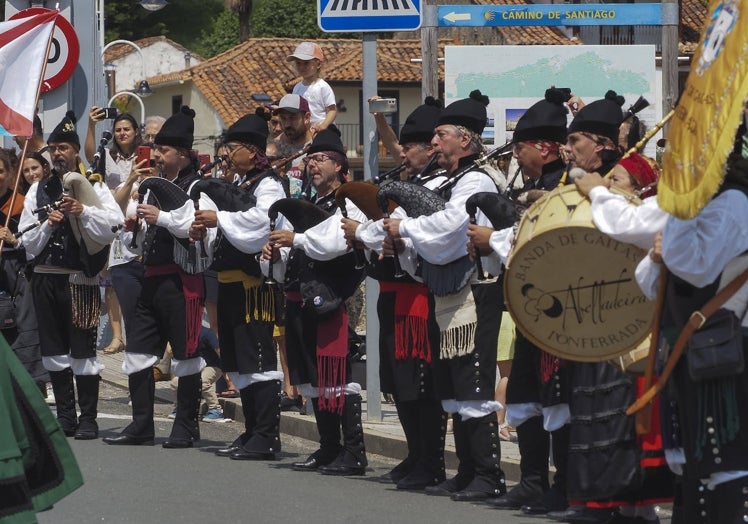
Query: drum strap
x,y
695,322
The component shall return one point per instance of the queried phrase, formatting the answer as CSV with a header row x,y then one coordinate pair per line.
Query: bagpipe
x,y
169,196
227,197
416,201
339,274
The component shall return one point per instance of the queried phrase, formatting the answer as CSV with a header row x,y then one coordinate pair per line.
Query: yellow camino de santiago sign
x,y
707,116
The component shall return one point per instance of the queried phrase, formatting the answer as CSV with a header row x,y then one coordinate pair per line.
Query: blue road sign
x,y
549,15
355,16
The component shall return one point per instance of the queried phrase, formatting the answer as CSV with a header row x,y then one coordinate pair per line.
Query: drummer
x,y
537,402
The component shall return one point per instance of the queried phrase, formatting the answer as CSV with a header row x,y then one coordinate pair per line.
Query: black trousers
x,y
54,312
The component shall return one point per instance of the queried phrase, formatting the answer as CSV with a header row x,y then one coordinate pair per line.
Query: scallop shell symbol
x,y
489,15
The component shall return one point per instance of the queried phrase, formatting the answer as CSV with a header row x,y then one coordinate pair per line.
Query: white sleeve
x,y
248,230
442,236
372,234
697,250
501,242
648,277
325,241
99,221
34,240
613,215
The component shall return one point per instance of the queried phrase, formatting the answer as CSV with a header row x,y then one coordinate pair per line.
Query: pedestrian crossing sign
x,y
355,16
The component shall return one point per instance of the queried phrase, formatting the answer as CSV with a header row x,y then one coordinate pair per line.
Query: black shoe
x,y
342,470
419,478
226,452
551,501
469,495
582,515
86,434
312,463
443,489
178,443
68,430
517,497
241,454
128,440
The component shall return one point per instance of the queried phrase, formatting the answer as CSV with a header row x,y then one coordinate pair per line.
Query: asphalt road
x,y
133,484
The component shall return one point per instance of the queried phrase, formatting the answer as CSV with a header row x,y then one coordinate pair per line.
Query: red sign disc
x,y
64,53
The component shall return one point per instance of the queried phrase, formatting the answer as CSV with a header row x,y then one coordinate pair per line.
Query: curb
x,y
295,424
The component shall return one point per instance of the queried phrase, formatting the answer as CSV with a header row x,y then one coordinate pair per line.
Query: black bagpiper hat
x,y
327,140
420,124
250,129
601,117
178,129
544,120
469,112
66,131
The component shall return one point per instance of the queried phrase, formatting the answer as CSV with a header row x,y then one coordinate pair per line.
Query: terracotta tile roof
x,y
259,66
120,50
692,18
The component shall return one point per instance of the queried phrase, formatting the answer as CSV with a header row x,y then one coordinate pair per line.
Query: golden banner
x,y
702,132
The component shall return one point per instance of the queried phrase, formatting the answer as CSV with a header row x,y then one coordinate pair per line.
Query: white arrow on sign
x,y
454,17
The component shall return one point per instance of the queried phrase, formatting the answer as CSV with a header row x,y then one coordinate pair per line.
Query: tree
x,y
180,20
289,19
222,35
244,9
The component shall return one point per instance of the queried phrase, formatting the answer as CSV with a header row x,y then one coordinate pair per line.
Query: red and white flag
x,y
23,52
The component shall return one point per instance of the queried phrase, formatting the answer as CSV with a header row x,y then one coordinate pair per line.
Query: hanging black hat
x,y
326,140
420,124
250,129
178,129
601,117
66,131
544,120
468,112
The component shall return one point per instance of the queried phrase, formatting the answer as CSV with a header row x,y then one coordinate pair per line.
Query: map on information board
x,y
515,77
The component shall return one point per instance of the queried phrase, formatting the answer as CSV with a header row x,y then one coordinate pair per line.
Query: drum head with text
x,y
571,289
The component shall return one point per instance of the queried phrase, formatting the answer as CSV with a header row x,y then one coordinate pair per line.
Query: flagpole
x,y
19,172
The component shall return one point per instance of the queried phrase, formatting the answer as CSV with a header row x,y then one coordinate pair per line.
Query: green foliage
x,y
289,19
181,20
223,34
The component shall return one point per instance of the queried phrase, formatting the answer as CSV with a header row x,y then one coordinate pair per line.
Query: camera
x,y
385,106
110,113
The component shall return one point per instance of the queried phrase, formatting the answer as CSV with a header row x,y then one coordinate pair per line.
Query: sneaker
x,y
213,415
50,395
173,413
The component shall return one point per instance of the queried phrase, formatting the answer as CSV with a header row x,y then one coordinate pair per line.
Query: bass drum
x,y
571,289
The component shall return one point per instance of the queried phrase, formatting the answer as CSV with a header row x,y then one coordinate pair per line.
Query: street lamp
x,y
153,5
143,89
137,99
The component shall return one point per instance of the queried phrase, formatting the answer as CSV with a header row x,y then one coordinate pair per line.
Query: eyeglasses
x,y
318,159
61,148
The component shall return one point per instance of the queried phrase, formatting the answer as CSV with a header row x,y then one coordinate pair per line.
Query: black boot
x,y
88,400
141,430
328,427
555,498
248,410
62,385
466,466
485,449
186,429
534,444
352,458
407,413
432,428
265,440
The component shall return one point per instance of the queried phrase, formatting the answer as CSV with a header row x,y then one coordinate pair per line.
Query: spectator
x,y
308,58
